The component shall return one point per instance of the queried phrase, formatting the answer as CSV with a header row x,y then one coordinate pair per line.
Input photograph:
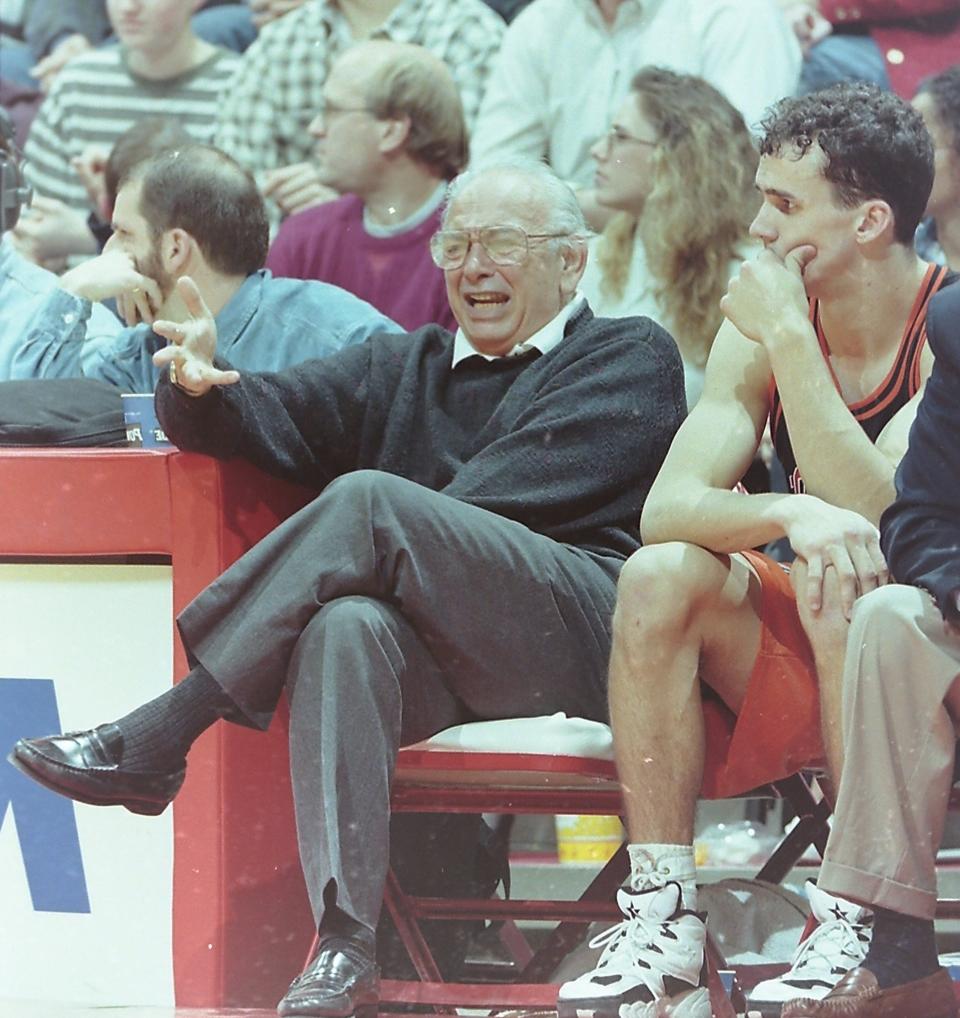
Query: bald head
x,y
551,203
513,249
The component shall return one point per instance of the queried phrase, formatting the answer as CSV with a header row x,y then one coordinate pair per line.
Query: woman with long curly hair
x,y
678,165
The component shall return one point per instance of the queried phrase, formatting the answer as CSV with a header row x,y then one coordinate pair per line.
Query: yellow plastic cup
x,y
588,838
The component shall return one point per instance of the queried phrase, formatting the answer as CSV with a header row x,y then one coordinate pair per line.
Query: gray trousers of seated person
x,y
390,612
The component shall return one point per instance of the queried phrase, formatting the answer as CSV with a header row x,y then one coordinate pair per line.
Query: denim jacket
x,y
25,290
269,324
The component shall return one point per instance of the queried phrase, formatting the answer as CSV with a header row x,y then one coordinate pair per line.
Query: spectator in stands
x,y
430,450
191,212
538,106
45,35
264,11
890,43
824,335
938,236
21,105
279,86
160,67
50,33
229,23
901,700
25,287
390,135
101,174
677,164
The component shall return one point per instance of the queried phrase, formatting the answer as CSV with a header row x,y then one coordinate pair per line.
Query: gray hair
x,y
564,215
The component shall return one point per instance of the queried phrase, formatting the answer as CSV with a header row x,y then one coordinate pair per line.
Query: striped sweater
x,y
96,97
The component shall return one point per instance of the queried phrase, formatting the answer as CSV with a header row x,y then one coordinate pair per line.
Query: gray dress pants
x,y
898,752
389,612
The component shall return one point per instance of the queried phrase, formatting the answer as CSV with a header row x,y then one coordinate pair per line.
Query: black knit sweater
x,y
567,443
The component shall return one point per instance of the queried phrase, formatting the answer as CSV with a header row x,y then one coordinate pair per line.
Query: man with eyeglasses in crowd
x,y
479,495
279,83
390,136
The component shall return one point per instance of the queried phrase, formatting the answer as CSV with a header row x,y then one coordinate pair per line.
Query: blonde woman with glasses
x,y
677,165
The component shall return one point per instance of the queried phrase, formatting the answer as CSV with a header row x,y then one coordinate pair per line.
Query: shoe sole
x,y
695,1004
765,1008
142,807
360,1011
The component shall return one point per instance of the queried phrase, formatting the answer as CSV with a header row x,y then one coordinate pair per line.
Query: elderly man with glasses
x,y
479,495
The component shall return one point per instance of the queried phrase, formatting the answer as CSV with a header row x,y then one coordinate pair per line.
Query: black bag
x,y
60,412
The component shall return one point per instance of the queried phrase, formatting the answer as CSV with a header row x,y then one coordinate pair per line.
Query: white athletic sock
x,y
656,865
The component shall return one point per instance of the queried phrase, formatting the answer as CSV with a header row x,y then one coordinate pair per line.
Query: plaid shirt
x,y
276,90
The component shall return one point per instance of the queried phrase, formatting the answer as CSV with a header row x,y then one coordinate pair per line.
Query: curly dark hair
x,y
944,89
875,143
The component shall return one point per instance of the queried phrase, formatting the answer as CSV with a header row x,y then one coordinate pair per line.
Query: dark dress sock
x,y
157,735
337,923
903,948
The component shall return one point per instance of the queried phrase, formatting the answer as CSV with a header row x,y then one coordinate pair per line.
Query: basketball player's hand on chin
x,y
824,536
192,344
767,300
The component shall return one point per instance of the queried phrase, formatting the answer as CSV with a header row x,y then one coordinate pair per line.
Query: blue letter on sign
x,y
46,823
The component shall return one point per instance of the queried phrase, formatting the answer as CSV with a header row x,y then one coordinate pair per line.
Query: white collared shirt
x,y
544,339
562,71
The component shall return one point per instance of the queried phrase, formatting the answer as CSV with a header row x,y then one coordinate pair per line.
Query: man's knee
x,y
362,487
887,608
349,619
345,624
663,584
885,659
826,629
884,624
370,496
354,612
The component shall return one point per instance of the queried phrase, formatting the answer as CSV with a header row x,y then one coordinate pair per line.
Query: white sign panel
x,y
85,892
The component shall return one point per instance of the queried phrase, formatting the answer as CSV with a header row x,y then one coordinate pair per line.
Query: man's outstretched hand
x,y
193,344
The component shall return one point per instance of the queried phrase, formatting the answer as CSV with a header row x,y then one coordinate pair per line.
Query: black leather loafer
x,y
341,981
85,766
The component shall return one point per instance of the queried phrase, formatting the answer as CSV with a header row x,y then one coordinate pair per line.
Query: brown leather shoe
x,y
858,995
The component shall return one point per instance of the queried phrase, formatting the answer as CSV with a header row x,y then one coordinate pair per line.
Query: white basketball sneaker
x,y
837,944
650,966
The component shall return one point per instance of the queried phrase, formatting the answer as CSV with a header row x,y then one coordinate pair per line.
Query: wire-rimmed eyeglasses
x,y
504,245
327,109
616,137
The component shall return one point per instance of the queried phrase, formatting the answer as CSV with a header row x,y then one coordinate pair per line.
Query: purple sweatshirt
x,y
394,274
